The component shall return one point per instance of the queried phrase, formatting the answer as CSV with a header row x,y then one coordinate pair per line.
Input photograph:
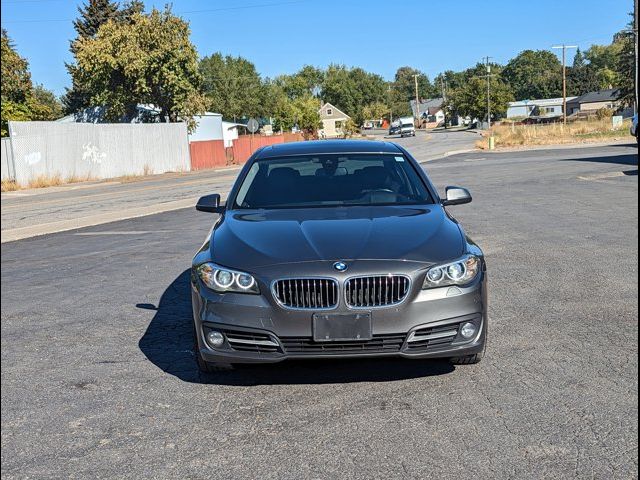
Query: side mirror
x,y
456,196
210,203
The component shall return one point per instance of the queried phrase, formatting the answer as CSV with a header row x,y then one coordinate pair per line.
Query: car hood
x,y
246,239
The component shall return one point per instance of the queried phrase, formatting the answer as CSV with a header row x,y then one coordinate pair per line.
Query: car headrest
x,y
340,171
283,174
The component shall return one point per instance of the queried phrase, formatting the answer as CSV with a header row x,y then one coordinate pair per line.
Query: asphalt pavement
x,y
99,379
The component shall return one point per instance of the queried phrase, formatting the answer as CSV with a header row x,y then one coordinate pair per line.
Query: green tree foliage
x,y
470,98
148,60
351,89
534,74
603,60
92,16
20,100
375,110
16,79
44,105
286,113
625,66
232,86
308,81
580,76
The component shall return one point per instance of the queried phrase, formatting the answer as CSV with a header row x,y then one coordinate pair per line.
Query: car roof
x,y
327,146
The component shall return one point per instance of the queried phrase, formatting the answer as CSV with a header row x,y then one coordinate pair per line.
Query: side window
x,y
329,111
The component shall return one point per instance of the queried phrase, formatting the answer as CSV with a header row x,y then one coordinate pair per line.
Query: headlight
x,y
223,280
459,272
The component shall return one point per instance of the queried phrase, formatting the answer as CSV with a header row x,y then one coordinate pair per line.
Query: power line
x,y
189,12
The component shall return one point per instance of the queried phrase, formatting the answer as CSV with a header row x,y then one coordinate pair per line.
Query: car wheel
x,y
208,367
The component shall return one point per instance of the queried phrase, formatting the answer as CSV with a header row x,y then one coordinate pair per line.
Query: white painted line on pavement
x,y
124,232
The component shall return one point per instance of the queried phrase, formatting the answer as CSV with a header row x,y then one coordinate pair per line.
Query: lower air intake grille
x,y
251,342
432,337
378,344
305,293
376,291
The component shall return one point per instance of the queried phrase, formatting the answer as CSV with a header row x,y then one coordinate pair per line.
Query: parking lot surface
x,y
99,379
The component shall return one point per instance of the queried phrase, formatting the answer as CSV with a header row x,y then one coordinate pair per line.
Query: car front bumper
x,y
257,330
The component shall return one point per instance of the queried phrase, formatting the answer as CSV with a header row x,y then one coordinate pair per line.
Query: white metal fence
x,y
94,151
7,159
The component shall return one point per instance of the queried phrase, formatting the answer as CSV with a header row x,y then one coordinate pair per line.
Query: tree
x,y
470,98
534,74
16,79
352,89
92,16
305,112
232,86
580,76
603,59
150,60
307,81
20,100
44,105
375,110
626,65
287,113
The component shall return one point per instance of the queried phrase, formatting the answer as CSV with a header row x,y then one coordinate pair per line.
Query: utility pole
x,y
564,79
390,107
488,91
415,79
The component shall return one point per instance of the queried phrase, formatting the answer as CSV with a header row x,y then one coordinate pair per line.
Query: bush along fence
x,y
80,151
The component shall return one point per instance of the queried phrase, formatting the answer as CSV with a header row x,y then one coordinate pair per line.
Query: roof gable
x,y
335,112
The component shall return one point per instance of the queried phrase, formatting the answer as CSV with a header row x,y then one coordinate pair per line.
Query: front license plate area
x,y
335,327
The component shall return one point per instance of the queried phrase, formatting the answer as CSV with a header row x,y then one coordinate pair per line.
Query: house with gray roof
x,y
593,101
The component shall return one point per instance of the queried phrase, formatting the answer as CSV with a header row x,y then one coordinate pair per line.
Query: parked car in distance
x,y
408,129
333,249
394,127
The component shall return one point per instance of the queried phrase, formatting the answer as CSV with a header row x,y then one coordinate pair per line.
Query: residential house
x,y
333,121
594,101
543,108
429,112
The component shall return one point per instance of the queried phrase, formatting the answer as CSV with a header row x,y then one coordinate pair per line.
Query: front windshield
x,y
332,180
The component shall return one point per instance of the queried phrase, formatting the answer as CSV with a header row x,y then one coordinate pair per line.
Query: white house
x,y
333,119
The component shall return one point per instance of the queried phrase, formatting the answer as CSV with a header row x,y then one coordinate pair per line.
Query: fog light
x,y
215,339
468,330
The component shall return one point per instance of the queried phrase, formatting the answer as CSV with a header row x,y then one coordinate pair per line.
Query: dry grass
x,y
9,186
510,135
44,181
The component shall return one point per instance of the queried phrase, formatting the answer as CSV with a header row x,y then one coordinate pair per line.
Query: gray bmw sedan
x,y
329,249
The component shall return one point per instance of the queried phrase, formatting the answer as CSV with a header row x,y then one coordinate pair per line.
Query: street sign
x,y
253,125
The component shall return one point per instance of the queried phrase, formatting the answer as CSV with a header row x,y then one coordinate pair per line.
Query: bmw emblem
x,y
340,266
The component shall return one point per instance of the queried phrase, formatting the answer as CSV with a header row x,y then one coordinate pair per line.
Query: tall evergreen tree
x,y
92,16
580,76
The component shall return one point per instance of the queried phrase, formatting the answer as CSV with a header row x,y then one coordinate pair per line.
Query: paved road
x,y
98,378
28,213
